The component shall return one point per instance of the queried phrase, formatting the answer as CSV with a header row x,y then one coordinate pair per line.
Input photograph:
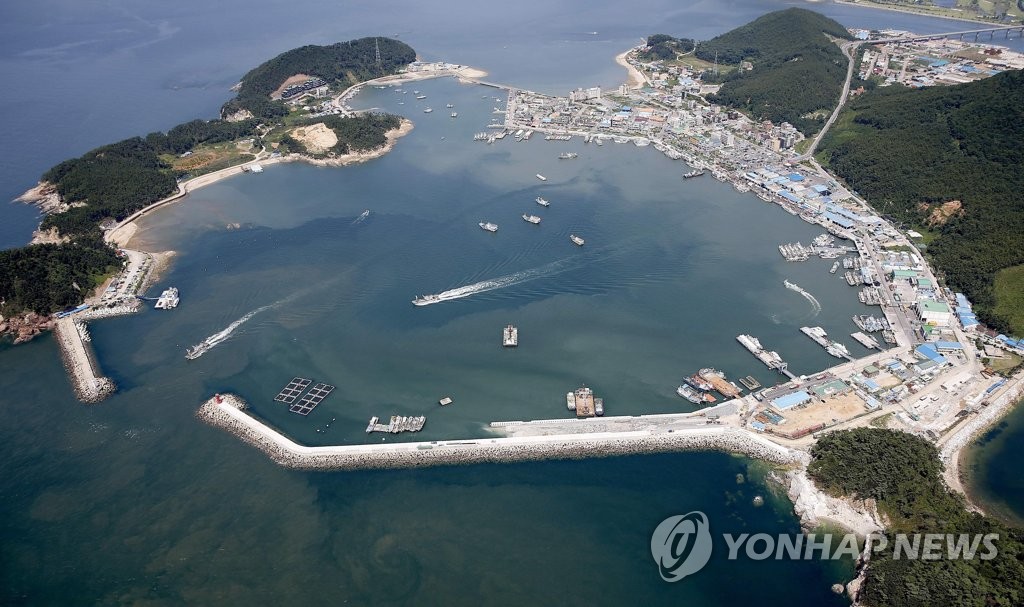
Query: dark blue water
x,y
135,501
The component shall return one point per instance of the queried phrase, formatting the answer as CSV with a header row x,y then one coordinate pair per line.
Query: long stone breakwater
x,y
229,413
89,384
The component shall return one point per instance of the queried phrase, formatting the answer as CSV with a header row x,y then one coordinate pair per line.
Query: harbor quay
x,y
528,441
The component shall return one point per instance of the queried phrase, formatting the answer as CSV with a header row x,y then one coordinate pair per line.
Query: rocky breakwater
x,y
88,384
228,412
951,450
24,327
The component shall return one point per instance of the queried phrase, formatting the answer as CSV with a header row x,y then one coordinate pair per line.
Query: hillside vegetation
x,y
902,472
664,47
908,151
113,181
343,62
798,70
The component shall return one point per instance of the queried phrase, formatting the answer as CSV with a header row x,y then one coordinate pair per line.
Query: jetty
x,y
513,440
88,383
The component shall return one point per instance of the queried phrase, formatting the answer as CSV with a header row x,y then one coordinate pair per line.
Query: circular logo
x,y
681,545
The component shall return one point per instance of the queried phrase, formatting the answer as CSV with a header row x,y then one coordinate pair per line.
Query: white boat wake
x,y
362,217
555,267
815,304
207,344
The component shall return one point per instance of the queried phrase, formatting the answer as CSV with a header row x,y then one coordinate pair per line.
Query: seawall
x,y
228,412
87,382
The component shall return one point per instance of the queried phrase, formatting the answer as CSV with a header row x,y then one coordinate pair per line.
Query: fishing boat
x,y
541,177
490,227
542,201
576,240
687,392
531,219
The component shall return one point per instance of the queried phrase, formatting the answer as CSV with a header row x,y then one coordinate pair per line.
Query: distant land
x,y
948,161
107,184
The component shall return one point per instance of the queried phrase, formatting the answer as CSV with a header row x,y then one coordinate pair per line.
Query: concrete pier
x,y
655,434
88,383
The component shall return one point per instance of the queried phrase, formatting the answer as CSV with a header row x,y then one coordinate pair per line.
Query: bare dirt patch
x,y
833,410
296,79
316,137
944,212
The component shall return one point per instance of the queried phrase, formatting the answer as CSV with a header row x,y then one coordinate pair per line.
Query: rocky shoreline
x,y
954,447
228,413
25,327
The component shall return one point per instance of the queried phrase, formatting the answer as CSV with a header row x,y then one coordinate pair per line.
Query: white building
x,y
934,312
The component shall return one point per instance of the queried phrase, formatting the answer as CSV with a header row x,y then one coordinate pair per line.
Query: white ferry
x,y
490,227
168,299
541,177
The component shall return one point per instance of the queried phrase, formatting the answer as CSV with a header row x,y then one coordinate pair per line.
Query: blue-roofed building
x,y
928,352
756,425
795,177
794,399
820,188
871,385
839,220
789,196
948,346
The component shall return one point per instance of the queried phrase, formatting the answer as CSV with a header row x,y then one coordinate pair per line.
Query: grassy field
x,y
1009,291
1005,364
208,158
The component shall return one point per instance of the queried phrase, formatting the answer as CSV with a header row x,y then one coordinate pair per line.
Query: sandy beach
x,y
121,235
634,79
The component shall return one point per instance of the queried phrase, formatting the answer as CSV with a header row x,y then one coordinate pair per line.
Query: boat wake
x,y
516,278
210,342
815,304
362,217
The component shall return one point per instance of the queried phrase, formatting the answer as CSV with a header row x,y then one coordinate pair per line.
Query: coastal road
x,y
848,49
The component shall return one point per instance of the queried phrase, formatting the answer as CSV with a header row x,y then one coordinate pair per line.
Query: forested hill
x,y
908,151
352,62
113,181
902,472
798,70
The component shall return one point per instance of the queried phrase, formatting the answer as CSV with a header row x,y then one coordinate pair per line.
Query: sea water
x,y
135,500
